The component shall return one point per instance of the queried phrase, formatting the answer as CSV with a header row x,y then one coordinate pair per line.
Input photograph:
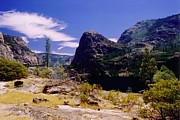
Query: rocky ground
x,y
56,101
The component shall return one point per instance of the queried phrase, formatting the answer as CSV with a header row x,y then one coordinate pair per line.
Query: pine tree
x,y
47,57
148,67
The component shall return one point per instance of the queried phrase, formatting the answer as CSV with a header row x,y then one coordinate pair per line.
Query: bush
x,y
128,101
163,74
164,98
112,96
43,72
84,97
10,70
86,91
144,112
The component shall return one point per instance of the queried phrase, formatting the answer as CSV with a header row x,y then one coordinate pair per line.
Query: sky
x,y
64,21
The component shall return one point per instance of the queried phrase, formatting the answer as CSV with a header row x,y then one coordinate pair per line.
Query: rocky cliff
x,y
15,48
92,47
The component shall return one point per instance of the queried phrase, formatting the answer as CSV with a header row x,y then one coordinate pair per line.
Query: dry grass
x,y
27,81
16,97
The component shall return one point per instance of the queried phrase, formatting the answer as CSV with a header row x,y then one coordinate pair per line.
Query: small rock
x,y
39,100
77,102
66,102
134,118
18,83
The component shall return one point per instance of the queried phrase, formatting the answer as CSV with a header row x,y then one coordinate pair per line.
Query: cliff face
x,y
15,48
93,46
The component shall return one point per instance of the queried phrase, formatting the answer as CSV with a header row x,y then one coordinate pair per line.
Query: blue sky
x,y
64,21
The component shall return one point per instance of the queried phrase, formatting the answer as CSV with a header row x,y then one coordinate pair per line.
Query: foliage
x,y
85,90
144,112
47,57
164,98
163,74
148,67
43,72
10,70
112,96
84,97
128,101
58,71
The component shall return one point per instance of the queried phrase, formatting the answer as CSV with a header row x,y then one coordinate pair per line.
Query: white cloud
x,y
58,53
25,39
68,44
36,51
34,25
113,39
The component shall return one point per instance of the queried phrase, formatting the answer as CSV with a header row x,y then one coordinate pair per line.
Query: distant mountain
x,y
105,59
15,48
65,60
162,34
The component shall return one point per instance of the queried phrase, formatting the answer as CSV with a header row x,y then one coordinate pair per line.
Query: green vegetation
x,y
10,70
43,72
58,71
86,89
144,112
112,96
164,98
163,74
47,57
148,67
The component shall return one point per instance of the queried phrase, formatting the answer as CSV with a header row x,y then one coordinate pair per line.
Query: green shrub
x,y
164,98
43,72
86,89
10,70
144,112
163,74
112,96
128,101
84,97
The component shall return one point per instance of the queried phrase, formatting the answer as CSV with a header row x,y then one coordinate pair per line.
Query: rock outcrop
x,y
15,48
91,47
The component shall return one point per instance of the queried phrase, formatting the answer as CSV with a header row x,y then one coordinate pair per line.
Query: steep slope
x,y
160,33
92,48
161,36
14,48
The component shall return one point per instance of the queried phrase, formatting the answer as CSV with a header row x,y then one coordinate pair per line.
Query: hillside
x,y
15,48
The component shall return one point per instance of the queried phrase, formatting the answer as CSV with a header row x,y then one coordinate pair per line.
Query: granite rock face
x,y
92,46
15,48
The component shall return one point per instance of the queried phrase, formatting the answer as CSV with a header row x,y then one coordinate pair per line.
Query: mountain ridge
x,y
160,36
16,49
